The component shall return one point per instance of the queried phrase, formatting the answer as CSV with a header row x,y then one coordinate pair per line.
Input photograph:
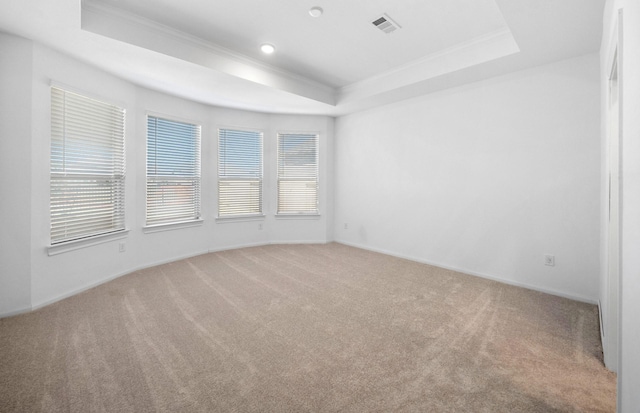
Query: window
x,y
297,173
173,171
87,167
239,173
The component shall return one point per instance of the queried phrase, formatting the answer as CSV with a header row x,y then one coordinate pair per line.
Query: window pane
x,y
87,167
297,174
173,171
239,172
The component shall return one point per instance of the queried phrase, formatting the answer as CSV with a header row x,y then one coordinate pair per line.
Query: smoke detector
x,y
315,11
385,24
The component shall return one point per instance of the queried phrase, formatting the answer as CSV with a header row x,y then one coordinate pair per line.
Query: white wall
x,y
30,277
15,173
485,178
58,276
629,356
287,230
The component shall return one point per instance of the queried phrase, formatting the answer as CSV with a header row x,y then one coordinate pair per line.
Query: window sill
x,y
150,229
298,216
84,243
239,218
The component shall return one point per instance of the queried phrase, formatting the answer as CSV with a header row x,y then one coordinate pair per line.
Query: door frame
x,y
611,329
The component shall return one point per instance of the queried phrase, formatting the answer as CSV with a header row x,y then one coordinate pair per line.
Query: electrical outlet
x,y
122,247
549,260
260,227
346,226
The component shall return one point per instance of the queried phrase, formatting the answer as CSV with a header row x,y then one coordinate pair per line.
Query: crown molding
x,y
110,21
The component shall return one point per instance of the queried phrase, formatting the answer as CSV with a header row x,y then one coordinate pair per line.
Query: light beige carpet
x,y
304,328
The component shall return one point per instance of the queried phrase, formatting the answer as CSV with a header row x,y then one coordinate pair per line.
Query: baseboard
x,y
601,323
356,245
107,279
574,297
71,293
237,246
16,312
262,244
299,242
61,297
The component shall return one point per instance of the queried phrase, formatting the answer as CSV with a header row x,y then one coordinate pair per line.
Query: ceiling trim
x,y
114,23
106,20
476,51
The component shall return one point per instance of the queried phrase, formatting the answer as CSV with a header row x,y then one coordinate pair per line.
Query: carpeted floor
x,y
304,328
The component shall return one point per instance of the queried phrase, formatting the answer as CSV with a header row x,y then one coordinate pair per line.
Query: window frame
x,y
301,214
62,131
240,216
180,223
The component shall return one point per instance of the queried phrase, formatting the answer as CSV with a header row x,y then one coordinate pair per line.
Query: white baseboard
x,y
601,323
238,246
16,312
574,297
259,244
262,244
106,280
299,242
112,277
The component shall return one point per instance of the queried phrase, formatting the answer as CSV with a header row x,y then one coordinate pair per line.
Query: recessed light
x,y
267,48
315,11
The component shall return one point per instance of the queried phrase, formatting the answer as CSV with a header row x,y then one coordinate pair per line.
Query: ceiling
x,y
338,63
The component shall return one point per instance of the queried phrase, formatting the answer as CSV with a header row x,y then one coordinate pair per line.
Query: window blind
x,y
173,171
297,173
87,172
239,172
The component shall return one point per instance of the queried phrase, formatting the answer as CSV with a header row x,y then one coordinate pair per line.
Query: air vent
x,y
385,24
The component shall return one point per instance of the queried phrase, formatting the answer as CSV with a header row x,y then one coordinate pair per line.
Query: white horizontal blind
x,y
297,173
239,172
173,171
87,167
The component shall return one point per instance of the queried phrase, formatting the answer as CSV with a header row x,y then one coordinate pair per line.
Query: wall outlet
x,y
260,227
346,226
122,247
549,260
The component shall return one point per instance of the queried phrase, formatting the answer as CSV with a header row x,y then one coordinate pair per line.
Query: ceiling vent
x,y
385,24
